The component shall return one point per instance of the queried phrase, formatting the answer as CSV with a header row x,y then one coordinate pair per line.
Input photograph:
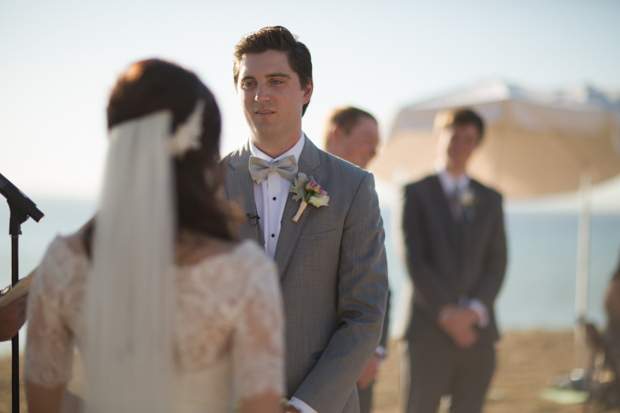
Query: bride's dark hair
x,y
153,85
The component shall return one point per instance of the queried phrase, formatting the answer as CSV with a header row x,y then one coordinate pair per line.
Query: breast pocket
x,y
318,249
318,237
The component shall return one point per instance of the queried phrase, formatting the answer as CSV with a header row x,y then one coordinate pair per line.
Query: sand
x,y
526,361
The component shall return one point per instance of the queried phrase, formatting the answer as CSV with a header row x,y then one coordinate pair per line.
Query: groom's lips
x,y
264,113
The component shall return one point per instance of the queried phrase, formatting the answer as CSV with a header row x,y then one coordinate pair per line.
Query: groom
x,y
331,261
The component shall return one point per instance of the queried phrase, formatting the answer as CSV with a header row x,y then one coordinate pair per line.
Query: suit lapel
x,y
240,190
290,231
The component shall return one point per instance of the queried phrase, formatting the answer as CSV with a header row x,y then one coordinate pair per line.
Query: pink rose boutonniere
x,y
308,192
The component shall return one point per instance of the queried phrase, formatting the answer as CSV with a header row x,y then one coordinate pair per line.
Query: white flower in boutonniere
x,y
469,201
308,192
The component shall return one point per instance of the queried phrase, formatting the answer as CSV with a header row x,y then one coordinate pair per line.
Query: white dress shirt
x,y
270,195
449,184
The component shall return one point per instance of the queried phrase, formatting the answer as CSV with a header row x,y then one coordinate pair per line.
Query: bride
x,y
169,312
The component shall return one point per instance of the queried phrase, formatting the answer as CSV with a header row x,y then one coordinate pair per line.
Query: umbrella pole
x,y
583,264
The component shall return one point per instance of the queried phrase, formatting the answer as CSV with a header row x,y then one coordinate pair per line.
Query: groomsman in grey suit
x,y
456,256
353,135
330,256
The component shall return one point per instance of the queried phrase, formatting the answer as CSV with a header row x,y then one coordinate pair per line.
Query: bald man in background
x,y
353,135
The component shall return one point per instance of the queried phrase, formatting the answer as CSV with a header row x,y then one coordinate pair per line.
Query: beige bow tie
x,y
260,168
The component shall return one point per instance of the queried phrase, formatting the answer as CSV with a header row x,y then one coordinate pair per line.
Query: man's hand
x,y
458,323
370,372
12,318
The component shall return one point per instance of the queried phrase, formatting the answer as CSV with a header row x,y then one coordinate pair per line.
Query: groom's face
x,y
271,94
459,142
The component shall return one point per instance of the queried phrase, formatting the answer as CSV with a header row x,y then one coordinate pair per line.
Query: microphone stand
x,y
21,209
15,231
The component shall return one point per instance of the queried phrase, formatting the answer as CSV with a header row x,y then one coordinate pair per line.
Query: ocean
x,y
538,292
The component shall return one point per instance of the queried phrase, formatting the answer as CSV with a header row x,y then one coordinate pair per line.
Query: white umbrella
x,y
535,143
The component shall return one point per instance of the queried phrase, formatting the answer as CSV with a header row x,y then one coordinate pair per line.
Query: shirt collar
x,y
449,183
295,150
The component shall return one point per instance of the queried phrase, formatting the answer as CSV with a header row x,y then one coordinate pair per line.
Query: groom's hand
x,y
458,323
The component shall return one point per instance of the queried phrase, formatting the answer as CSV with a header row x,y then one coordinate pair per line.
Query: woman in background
x,y
170,313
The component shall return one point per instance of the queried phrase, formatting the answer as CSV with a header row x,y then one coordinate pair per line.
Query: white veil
x,y
130,295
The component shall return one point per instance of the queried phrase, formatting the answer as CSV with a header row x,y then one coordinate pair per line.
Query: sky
x,y
60,59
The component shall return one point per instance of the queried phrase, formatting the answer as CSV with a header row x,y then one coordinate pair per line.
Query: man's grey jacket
x,y
333,273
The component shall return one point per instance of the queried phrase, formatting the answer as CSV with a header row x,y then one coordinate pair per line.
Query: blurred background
x,y
59,60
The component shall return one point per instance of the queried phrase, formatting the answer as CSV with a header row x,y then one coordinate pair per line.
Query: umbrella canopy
x,y
535,143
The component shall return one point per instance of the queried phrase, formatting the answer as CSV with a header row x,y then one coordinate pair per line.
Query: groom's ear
x,y
308,91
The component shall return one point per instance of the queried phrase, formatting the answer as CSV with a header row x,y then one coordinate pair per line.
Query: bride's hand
x,y
268,402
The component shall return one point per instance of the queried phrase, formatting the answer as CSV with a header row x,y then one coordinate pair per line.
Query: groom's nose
x,y
262,93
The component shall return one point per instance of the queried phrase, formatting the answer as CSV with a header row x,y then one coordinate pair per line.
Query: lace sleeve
x,y
258,337
49,344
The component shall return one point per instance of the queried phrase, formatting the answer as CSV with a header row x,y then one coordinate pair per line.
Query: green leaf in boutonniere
x,y
308,192
298,187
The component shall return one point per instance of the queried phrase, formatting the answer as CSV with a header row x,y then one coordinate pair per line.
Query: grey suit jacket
x,y
333,273
446,261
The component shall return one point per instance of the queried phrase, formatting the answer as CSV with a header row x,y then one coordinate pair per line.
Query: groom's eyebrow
x,y
278,75
269,76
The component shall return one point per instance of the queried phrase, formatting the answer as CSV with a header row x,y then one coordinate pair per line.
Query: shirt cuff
x,y
381,352
481,310
301,406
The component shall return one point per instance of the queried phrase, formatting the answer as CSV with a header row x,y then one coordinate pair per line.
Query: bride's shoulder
x,y
242,257
193,248
254,260
250,248
68,245
253,256
64,259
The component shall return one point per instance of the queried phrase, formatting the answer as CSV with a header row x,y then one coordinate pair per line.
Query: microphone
x,y
253,219
18,201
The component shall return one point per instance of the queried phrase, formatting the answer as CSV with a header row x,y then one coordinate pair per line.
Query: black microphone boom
x,y
21,209
18,201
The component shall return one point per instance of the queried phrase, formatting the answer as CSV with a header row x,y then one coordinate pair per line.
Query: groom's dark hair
x,y
280,39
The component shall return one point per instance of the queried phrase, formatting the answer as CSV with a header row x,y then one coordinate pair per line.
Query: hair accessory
x,y
187,136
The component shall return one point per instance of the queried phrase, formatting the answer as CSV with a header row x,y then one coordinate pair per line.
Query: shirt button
x,y
274,198
273,235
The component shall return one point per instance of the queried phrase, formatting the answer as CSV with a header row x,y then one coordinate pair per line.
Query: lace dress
x,y
228,330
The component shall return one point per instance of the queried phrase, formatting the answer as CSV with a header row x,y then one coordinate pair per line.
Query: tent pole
x,y
583,264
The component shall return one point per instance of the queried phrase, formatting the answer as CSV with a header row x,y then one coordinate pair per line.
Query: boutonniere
x,y
469,201
308,192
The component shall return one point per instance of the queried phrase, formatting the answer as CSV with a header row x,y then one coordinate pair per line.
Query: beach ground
x,y
526,361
